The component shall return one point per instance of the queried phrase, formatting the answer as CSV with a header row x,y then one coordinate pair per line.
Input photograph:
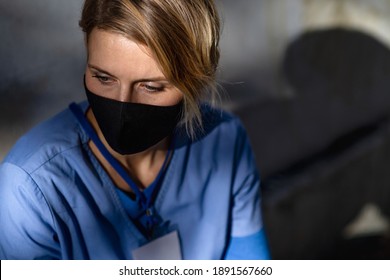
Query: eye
x,y
152,88
103,79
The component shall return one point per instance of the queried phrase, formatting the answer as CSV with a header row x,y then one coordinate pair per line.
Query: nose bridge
x,y
125,92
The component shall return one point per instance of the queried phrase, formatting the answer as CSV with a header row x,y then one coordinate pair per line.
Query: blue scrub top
x,y
57,201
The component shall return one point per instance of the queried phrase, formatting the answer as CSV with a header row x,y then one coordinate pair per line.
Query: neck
x,y
143,167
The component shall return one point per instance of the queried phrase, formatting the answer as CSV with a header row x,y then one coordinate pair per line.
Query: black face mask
x,y
131,128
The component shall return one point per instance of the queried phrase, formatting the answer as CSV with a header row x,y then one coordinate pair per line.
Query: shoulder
x,y
222,126
46,141
217,121
224,137
223,133
215,116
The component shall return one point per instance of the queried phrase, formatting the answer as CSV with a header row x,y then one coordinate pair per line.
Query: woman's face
x,y
123,70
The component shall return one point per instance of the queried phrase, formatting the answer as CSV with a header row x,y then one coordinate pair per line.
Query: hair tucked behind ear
x,y
183,35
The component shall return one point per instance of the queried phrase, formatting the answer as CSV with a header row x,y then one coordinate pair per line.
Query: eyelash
x,y
102,79
152,89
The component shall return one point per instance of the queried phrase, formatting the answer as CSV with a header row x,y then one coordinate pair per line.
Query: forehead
x,y
119,55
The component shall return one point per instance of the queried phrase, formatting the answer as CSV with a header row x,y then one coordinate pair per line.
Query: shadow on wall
x,y
324,153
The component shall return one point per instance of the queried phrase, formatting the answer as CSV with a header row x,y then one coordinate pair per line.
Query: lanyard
x,y
146,202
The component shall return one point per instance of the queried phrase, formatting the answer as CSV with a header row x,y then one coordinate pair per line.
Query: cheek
x,y
176,97
173,98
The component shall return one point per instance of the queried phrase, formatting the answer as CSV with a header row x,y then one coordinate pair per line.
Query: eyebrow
x,y
151,79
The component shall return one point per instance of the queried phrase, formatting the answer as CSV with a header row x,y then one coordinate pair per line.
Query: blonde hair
x,y
183,35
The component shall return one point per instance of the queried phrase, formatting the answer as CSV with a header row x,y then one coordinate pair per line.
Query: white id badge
x,y
166,247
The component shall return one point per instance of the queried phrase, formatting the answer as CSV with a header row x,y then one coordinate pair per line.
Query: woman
x,y
144,169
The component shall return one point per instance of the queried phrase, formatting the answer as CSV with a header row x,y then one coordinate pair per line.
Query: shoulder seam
x,y
39,189
54,156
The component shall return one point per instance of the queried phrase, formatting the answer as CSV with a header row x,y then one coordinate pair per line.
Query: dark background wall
x,y
42,51
322,153
42,58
